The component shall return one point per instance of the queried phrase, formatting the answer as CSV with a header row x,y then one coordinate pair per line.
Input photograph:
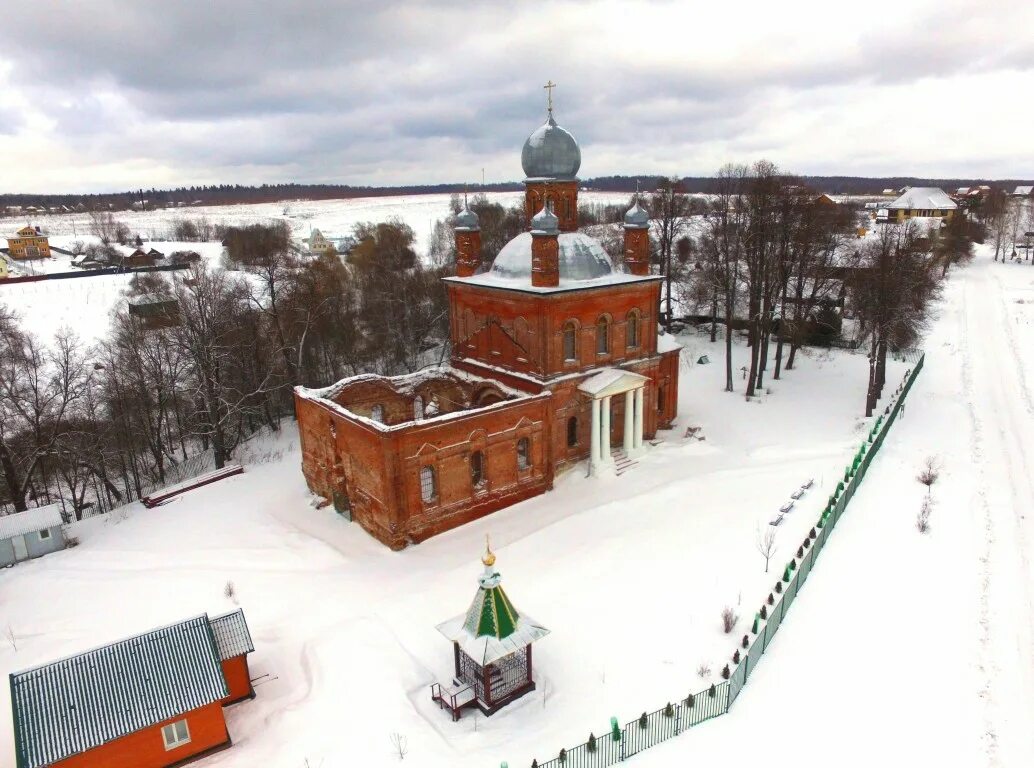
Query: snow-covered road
x,y
906,649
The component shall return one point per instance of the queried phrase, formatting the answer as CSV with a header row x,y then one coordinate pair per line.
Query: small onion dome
x,y
551,153
467,219
489,557
637,217
545,222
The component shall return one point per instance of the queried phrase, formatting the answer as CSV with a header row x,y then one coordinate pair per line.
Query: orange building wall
x,y
145,749
238,679
523,332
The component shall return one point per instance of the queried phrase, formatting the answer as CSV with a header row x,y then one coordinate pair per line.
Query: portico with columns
x,y
602,388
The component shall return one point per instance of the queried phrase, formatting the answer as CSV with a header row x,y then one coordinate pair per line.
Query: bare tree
x,y
765,541
669,208
400,745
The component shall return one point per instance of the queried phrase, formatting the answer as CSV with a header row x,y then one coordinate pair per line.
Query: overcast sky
x,y
102,95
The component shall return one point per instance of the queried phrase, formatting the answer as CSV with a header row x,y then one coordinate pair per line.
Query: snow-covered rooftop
x,y
231,633
924,198
1024,190
30,521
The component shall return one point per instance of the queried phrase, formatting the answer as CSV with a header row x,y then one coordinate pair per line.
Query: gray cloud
x,y
366,91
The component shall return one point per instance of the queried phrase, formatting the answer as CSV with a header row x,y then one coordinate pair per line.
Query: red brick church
x,y
555,359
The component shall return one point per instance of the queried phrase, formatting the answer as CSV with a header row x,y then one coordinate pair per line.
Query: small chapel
x,y
556,360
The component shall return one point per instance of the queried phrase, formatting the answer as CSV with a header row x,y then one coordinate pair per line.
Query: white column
x,y
629,444
594,440
639,417
605,430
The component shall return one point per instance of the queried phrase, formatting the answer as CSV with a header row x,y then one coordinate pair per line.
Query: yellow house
x,y
28,244
927,202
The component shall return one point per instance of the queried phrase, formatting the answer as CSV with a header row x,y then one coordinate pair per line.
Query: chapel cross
x,y
549,86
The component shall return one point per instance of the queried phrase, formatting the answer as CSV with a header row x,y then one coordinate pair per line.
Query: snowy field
x,y
630,574
85,304
334,218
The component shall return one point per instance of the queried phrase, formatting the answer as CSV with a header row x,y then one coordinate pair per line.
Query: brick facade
x,y
408,457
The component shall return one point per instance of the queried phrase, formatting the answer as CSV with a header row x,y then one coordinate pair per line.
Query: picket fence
x,y
616,744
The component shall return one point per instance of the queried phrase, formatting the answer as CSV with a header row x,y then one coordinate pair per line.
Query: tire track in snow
x,y
997,382
986,665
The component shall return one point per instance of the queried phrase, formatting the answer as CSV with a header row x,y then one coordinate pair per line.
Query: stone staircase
x,y
622,463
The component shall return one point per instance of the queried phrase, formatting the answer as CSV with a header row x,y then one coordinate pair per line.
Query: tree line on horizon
x,y
229,194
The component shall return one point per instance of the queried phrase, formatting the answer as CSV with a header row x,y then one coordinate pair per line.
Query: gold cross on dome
x,y
549,86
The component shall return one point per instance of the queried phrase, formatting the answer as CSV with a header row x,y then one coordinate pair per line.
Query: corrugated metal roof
x,y
232,637
30,521
68,706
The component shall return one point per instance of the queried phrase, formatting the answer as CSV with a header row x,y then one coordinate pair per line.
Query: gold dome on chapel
x,y
489,557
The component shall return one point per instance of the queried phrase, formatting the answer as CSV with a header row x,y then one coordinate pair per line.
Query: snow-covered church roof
x,y
491,628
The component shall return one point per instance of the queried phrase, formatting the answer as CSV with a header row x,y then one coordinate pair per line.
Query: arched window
x,y
602,336
477,469
428,484
572,432
570,340
377,413
632,329
523,453
418,407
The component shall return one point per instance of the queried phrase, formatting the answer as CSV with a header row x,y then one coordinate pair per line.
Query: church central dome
x,y
581,258
551,153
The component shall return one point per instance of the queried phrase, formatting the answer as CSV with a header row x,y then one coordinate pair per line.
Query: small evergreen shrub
x,y
725,672
563,755
806,544
591,743
771,599
669,710
644,721
764,612
800,551
779,587
711,691
786,573
812,534
746,638
690,700
736,657
753,628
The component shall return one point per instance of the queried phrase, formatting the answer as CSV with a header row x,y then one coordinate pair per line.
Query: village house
x,y
555,358
317,243
1023,191
141,258
922,202
32,533
28,243
149,701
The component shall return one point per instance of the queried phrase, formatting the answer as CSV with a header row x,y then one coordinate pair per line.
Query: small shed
x,y
32,533
155,310
491,646
150,701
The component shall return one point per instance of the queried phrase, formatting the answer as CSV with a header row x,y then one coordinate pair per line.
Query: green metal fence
x,y
616,744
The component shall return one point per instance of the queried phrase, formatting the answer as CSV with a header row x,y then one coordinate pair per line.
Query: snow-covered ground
x,y
630,574
906,649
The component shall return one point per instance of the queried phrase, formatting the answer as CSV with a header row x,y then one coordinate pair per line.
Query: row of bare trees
x,y
101,425
765,254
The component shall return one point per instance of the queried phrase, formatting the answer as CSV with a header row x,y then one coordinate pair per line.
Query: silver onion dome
x,y
551,153
545,221
637,216
467,219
